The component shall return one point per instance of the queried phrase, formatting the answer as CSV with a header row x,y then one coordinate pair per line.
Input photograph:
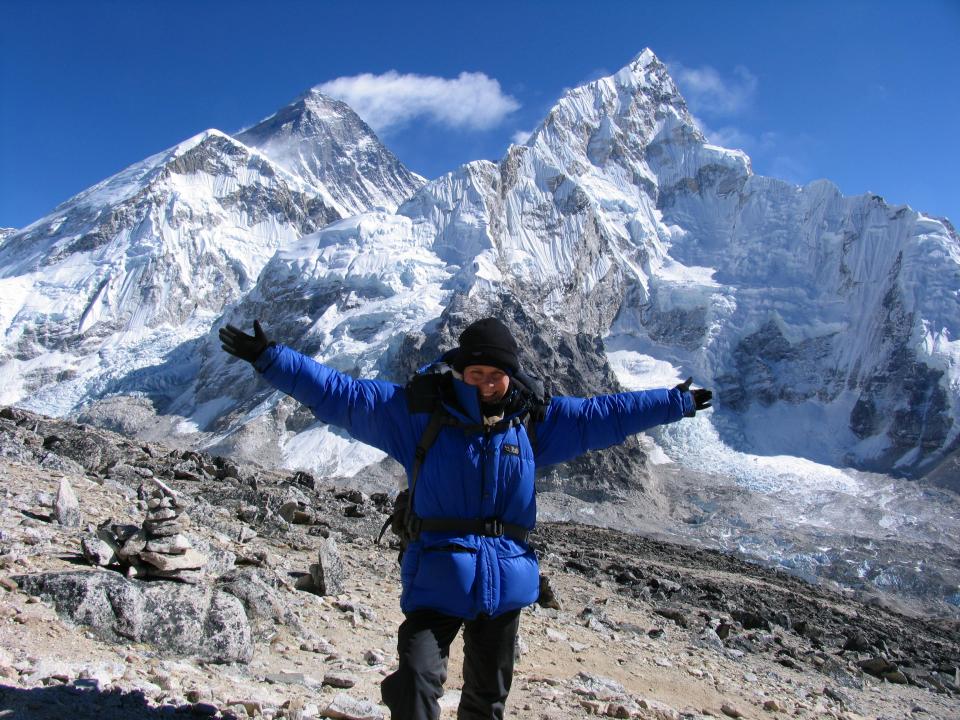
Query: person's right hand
x,y
239,344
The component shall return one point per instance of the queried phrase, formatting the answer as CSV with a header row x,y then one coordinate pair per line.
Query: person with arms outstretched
x,y
469,430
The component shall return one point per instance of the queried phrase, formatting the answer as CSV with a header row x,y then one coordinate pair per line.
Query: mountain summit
x,y
325,143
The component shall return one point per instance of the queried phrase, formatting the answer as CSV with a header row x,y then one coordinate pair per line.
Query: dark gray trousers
x,y
423,648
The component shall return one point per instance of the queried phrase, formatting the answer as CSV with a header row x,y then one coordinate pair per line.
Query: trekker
x,y
472,501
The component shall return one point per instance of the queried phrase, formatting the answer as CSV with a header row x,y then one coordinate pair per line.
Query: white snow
x,y
326,452
636,371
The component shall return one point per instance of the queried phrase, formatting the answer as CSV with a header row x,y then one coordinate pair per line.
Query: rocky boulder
x,y
260,592
66,507
327,575
178,619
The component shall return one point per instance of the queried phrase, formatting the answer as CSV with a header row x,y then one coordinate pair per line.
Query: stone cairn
x,y
157,550
168,554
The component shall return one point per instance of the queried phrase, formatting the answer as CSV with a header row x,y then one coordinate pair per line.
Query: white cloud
x,y
708,92
520,137
726,136
472,100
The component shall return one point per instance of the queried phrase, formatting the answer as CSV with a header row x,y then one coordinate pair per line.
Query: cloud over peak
x,y
710,93
470,101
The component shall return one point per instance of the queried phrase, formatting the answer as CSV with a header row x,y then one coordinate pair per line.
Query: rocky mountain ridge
x,y
645,629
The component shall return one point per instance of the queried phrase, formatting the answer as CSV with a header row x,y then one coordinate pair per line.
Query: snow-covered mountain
x,y
615,221
119,275
324,143
804,308
825,323
622,248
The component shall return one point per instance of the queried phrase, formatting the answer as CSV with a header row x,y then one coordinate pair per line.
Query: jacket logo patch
x,y
511,449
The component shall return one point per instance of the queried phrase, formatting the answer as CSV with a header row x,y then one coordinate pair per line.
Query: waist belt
x,y
490,527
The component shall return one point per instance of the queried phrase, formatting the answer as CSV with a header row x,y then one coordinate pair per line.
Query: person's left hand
x,y
702,398
239,344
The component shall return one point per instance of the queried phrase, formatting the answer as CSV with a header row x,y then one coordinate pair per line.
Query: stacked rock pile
x,y
168,554
159,549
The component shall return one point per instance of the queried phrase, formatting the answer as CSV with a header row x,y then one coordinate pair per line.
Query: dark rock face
x,y
179,619
767,368
709,180
285,316
920,417
260,593
683,328
57,445
947,473
84,446
902,397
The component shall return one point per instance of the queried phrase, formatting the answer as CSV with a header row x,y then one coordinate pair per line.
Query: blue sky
x,y
865,94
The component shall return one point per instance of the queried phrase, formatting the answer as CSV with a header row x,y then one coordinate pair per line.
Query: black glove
x,y
239,344
701,396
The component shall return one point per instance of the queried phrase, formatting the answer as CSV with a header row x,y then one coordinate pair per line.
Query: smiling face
x,y
491,382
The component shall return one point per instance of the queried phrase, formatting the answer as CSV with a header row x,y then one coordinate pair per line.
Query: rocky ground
x,y
646,629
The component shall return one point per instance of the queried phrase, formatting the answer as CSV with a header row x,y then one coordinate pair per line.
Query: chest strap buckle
x,y
493,527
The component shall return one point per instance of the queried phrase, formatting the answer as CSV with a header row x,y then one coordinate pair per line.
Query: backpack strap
x,y
397,519
537,401
437,420
492,527
402,520
532,420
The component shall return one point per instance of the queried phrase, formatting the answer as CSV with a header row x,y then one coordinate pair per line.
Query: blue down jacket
x,y
471,476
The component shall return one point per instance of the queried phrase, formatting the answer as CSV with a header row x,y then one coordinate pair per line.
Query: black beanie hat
x,y
487,342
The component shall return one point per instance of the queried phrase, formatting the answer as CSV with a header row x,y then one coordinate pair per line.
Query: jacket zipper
x,y
486,554
483,466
